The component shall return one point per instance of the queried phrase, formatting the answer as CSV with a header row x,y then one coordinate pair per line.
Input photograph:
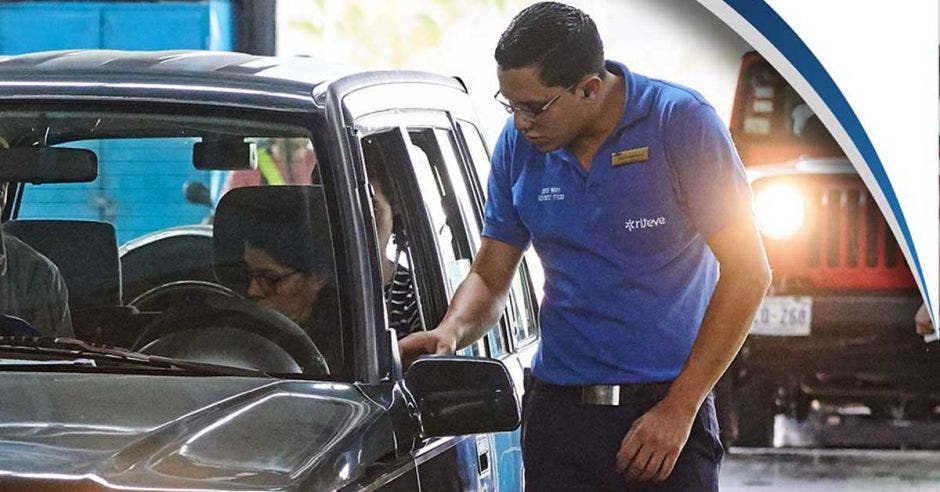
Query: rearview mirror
x,y
48,165
229,154
463,395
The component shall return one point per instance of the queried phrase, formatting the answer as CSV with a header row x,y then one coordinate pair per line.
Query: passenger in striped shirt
x,y
400,299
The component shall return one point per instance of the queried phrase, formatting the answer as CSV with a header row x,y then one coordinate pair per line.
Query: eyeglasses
x,y
267,281
529,110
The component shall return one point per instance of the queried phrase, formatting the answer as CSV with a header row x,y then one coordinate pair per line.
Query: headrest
x,y
289,223
86,253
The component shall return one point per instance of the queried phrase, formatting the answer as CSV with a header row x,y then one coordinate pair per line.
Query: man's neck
x,y
612,98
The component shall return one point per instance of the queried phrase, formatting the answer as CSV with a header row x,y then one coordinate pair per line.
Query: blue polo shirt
x,y
628,274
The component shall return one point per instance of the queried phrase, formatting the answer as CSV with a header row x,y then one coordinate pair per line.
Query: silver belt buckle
x,y
601,394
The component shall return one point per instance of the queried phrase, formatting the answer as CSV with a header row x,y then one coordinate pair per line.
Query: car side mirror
x,y
463,395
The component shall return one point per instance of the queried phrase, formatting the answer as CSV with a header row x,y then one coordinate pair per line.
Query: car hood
x,y
205,433
802,166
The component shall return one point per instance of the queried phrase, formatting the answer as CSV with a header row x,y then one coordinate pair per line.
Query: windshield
x,y
772,123
204,239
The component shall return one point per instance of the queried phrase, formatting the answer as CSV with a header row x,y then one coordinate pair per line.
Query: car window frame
x,y
522,280
317,127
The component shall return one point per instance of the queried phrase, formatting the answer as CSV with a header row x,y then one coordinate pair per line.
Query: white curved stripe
x,y
918,206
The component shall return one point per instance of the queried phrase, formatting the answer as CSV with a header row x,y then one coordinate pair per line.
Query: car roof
x,y
209,77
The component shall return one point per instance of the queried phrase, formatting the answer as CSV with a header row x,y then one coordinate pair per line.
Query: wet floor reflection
x,y
783,469
840,451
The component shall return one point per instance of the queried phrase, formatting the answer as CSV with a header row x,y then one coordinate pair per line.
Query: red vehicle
x,y
836,325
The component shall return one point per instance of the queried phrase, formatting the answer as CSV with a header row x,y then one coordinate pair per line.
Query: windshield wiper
x,y
80,353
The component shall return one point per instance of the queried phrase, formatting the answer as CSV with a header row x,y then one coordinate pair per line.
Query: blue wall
x,y
42,26
121,195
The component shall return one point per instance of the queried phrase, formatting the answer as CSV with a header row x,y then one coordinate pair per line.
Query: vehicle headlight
x,y
779,209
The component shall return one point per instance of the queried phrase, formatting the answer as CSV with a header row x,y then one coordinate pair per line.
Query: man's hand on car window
x,y
437,341
922,322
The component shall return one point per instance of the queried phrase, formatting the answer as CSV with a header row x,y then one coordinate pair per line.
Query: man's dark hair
x,y
560,41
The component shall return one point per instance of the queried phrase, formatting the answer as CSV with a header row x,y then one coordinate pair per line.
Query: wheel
x,y
11,326
212,326
180,293
754,411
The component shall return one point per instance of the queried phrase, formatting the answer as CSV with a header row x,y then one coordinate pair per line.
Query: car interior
x,y
92,273
181,290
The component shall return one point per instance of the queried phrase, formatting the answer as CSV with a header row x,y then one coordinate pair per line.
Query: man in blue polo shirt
x,y
632,195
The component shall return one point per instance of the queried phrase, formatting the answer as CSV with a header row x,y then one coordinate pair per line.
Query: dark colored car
x,y
180,375
836,326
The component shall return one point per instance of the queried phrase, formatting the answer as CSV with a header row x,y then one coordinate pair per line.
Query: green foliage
x,y
385,33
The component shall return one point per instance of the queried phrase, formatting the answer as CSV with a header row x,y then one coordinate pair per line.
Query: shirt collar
x,y
639,99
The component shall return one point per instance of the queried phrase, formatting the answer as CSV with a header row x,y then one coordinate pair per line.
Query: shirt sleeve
x,y
49,300
709,176
58,307
501,219
36,290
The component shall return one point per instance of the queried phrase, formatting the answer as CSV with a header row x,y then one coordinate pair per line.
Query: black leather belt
x,y
608,394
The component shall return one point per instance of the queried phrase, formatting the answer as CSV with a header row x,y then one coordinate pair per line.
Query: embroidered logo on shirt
x,y
630,156
644,223
551,194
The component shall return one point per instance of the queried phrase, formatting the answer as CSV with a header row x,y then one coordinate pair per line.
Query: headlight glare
x,y
780,209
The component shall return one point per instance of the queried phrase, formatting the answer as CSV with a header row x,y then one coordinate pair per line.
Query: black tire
x,y
755,408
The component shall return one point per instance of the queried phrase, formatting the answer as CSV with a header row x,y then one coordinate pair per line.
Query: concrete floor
x,y
839,451
790,469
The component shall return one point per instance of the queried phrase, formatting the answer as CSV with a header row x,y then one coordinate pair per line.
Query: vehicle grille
x,y
845,245
847,230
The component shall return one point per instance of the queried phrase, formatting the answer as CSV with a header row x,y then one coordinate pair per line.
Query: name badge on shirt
x,y
630,156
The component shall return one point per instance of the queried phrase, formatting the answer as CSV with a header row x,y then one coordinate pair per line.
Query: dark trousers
x,y
570,446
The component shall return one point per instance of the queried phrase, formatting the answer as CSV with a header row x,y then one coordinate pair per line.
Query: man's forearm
x,y
479,300
723,330
475,308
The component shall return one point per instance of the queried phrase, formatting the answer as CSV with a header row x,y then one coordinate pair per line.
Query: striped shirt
x,y
402,304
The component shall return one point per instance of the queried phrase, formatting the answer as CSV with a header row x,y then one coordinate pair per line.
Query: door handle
x,y
484,461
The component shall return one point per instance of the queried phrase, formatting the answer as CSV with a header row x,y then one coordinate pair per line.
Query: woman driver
x,y
288,266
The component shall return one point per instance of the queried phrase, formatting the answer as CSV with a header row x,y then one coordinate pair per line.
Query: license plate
x,y
786,316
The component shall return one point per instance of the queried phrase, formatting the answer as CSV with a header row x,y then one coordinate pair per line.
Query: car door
x,y
515,342
448,154
441,248
418,122
435,159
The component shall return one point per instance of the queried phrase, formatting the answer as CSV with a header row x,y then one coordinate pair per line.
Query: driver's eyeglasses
x,y
530,110
269,281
